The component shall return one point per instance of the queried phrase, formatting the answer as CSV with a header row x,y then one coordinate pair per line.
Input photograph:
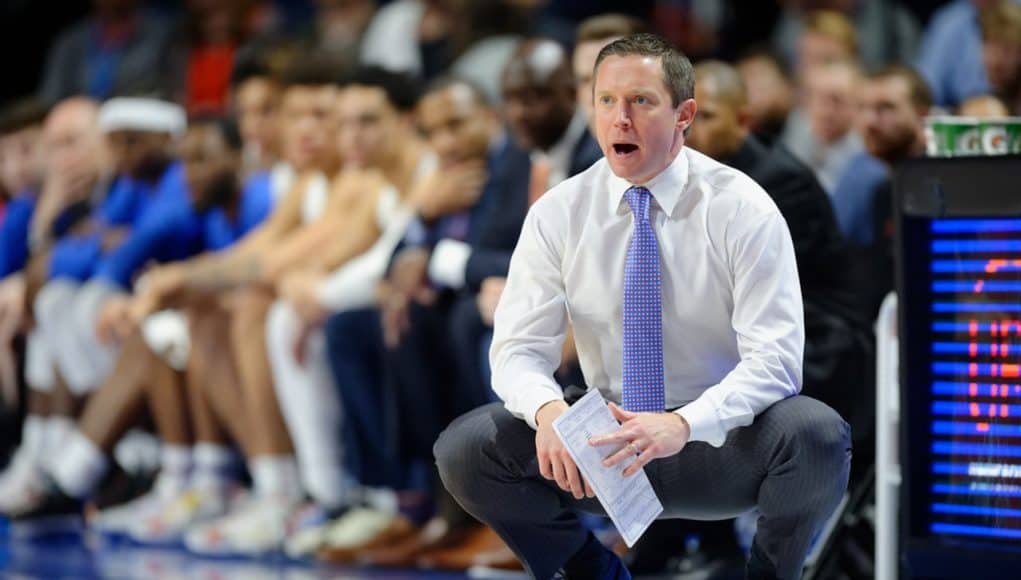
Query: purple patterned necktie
x,y
643,319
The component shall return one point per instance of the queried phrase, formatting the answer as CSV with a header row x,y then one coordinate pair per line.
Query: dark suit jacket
x,y
492,253
818,244
837,342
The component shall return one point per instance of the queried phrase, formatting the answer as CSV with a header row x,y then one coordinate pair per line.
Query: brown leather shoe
x,y
501,558
399,529
403,554
481,546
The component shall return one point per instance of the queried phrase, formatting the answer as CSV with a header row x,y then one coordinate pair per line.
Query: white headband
x,y
139,114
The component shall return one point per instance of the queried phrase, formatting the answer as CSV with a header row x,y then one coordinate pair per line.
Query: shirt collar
x,y
667,187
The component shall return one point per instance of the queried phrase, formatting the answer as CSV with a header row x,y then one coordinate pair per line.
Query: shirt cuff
x,y
703,422
449,263
540,393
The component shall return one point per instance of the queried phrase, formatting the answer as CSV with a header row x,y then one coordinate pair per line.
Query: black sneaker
x,y
50,513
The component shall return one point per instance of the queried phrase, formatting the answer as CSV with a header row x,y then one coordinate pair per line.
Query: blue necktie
x,y
643,319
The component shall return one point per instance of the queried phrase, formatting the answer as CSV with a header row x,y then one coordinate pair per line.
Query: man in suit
x,y
543,114
679,277
432,316
836,344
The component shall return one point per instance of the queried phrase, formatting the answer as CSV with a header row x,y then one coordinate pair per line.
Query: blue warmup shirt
x,y
256,203
78,256
14,233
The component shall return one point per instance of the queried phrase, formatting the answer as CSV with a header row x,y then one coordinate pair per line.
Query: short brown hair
x,y
21,114
610,25
833,25
921,96
1001,22
677,71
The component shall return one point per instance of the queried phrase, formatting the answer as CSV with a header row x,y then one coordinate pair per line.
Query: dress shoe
x,y
372,533
478,542
403,554
501,558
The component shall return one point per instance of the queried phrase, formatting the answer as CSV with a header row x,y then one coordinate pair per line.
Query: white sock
x,y
33,435
212,467
56,431
276,475
175,466
138,452
78,466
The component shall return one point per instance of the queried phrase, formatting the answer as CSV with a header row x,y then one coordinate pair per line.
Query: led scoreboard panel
x,y
959,276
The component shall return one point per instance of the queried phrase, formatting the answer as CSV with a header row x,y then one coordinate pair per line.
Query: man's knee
x,y
814,426
461,448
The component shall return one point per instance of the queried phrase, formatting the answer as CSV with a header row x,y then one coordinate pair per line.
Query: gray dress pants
x,y
792,463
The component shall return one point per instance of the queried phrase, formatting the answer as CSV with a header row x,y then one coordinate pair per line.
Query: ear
x,y
686,114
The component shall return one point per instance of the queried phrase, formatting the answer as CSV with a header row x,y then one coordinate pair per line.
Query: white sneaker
x,y
306,531
256,527
24,489
357,527
191,507
21,476
119,519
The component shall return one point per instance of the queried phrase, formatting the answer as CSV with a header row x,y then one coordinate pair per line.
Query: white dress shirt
x,y
733,328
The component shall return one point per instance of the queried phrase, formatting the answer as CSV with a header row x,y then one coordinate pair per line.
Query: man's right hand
x,y
555,462
451,189
155,287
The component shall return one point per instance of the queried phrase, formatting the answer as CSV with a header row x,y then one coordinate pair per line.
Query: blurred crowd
x,y
250,262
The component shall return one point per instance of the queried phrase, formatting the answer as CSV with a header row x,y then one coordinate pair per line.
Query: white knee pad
x,y
166,334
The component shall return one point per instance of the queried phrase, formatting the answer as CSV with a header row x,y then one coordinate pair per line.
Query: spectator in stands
x,y
182,495
770,94
482,174
205,51
232,315
1000,24
20,151
147,216
895,102
75,170
417,37
21,173
951,53
821,132
886,30
116,48
826,37
256,99
983,107
385,165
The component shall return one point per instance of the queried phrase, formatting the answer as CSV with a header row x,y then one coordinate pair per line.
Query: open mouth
x,y
624,149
